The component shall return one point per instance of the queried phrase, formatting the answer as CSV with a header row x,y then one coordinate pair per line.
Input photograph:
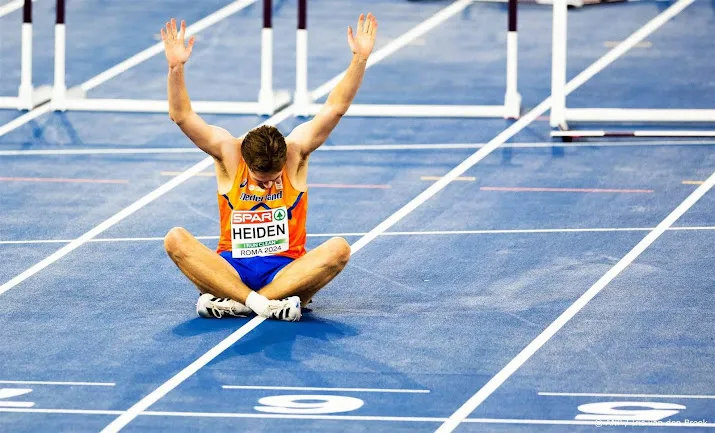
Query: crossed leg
x,y
303,277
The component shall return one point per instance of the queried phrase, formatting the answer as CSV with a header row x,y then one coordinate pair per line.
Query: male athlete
x,y
261,264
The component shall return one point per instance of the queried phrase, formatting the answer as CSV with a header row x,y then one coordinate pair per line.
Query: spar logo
x,y
279,215
255,217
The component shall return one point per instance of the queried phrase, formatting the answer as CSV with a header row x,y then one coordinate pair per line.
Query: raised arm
x,y
208,138
310,135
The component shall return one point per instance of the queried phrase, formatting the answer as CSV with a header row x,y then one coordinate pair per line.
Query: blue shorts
x,y
257,272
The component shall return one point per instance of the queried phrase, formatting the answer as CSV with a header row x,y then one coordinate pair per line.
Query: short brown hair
x,y
264,149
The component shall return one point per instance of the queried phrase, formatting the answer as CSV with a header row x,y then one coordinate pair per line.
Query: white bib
x,y
259,232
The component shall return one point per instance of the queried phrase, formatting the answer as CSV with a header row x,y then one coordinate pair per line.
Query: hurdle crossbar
x,y
561,115
511,108
268,102
27,96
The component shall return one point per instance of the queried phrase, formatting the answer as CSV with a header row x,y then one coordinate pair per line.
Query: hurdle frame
x,y
561,115
27,96
511,108
269,101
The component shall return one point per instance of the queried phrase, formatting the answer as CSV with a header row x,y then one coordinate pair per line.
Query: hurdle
x,y
269,101
27,96
304,105
561,115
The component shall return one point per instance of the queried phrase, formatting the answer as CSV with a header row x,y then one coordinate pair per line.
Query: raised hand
x,y
177,53
362,42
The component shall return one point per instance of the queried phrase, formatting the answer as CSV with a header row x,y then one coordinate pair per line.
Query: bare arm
x,y
312,134
210,139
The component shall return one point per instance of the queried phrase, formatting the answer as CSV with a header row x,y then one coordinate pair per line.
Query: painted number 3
x,y
308,404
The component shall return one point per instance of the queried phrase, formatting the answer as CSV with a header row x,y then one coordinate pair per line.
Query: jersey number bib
x,y
259,232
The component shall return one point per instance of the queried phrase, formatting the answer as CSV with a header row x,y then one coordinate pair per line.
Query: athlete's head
x,y
264,150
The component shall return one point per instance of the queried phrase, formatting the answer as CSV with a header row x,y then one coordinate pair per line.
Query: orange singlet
x,y
246,195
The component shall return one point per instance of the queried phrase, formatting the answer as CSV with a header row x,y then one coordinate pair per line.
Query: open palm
x,y
177,53
363,41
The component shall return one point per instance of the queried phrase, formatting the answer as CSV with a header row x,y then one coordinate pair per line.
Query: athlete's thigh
x,y
199,255
311,270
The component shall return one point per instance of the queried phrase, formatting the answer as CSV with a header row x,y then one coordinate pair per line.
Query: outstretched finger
x,y
368,23
360,23
173,28
163,35
373,28
191,43
169,35
183,30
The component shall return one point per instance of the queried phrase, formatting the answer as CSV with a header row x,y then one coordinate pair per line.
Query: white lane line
x,y
620,423
126,417
129,63
598,394
400,42
158,47
495,382
309,388
12,7
355,147
70,152
470,405
39,382
23,119
412,419
139,407
64,411
421,233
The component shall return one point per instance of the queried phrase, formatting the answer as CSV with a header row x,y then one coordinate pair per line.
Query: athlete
x,y
261,264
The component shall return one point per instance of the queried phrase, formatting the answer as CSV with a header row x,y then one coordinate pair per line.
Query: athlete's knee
x,y
176,241
339,252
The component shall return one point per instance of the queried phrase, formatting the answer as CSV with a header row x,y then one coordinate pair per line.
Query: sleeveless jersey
x,y
246,195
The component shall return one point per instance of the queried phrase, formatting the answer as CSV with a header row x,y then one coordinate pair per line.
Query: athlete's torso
x,y
246,195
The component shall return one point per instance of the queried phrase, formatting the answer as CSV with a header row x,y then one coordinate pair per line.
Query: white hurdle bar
x,y
511,109
27,96
269,101
561,115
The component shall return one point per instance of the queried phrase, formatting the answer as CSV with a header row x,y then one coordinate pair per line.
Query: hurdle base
x,y
393,110
606,115
575,134
270,102
512,105
27,100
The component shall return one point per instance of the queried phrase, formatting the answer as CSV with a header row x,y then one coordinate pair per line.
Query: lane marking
x,y
356,418
39,382
132,61
308,388
136,409
310,185
201,174
643,44
360,147
458,178
70,152
692,182
592,190
12,7
495,382
596,394
420,233
60,180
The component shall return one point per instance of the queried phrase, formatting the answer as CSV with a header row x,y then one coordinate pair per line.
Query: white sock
x,y
257,302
